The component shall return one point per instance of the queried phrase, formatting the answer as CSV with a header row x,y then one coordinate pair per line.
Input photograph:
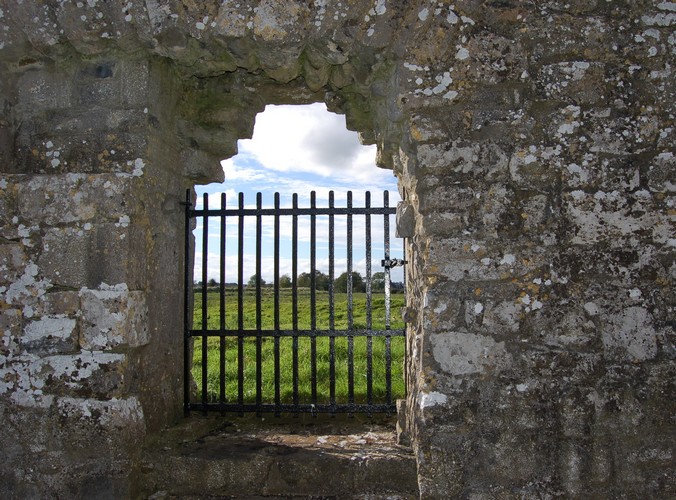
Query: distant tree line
x,y
321,282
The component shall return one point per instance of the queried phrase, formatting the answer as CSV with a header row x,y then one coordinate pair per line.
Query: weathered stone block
x,y
630,336
50,335
13,261
43,89
534,168
88,374
613,216
60,199
660,173
464,161
58,303
573,81
113,316
97,253
405,220
461,354
10,330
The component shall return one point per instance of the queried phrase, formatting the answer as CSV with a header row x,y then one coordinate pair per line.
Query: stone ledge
x,y
293,457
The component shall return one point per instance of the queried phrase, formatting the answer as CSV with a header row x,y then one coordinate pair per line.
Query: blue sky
x,y
298,149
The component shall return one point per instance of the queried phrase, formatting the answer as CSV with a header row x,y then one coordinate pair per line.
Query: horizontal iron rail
x,y
297,333
216,212
296,408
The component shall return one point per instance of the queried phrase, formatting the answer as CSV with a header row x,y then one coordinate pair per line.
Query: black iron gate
x,y
238,352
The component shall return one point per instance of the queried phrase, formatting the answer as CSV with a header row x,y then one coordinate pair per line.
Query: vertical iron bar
x,y
276,307
406,360
259,314
350,304
369,304
240,305
205,252
313,294
294,265
332,310
187,284
221,358
388,339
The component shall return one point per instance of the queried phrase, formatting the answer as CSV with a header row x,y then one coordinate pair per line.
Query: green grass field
x,y
267,346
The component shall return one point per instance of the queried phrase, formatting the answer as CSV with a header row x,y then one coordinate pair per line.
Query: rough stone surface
x,y
297,458
534,147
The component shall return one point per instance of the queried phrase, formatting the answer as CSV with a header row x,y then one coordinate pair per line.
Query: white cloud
x,y
307,139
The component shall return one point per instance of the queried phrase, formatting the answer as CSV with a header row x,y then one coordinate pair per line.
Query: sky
x,y
298,149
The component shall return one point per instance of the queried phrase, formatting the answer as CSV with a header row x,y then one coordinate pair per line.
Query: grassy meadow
x,y
267,346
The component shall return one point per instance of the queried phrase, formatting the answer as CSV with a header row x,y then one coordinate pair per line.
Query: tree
x,y
378,282
321,280
212,282
285,281
358,285
253,279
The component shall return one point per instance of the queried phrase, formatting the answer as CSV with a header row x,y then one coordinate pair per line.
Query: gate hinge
x,y
390,263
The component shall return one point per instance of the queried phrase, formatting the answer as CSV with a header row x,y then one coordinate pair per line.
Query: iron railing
x,y
209,336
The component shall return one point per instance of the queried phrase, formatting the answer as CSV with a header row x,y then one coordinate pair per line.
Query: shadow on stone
x,y
246,457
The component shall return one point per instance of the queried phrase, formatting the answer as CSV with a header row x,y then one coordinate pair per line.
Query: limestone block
x,y
62,199
316,76
574,81
89,256
232,20
495,58
613,216
40,90
50,335
33,382
435,197
502,317
461,353
94,141
405,220
660,174
134,83
87,374
10,330
27,288
58,303
630,335
113,316
96,85
118,415
92,27
203,167
464,160
463,258
534,168
574,329
442,307
13,261
284,71
341,75
274,20
427,129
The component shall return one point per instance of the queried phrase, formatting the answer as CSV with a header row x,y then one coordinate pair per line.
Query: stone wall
x,y
533,142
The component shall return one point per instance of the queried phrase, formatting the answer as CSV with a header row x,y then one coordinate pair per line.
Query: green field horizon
x,y
285,345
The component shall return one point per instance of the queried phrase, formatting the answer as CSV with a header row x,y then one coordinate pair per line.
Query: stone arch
x,y
216,111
